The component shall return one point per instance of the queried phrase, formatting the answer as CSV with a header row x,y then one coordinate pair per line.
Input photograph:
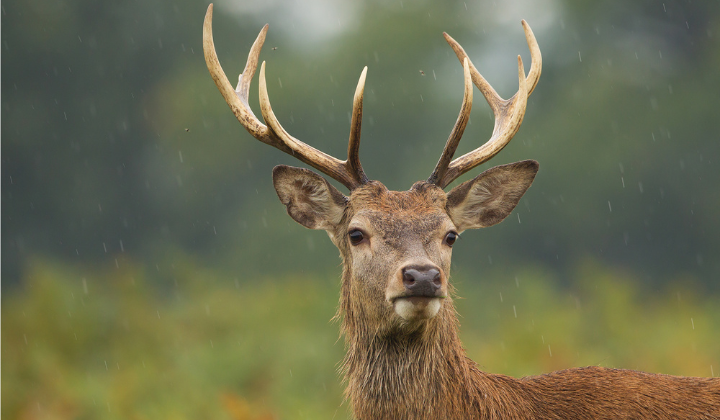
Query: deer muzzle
x,y
420,293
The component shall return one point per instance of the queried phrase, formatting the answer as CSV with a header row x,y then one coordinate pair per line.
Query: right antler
x,y
348,172
508,114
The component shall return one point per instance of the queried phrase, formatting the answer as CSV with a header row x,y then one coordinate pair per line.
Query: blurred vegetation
x,y
207,347
148,270
73,348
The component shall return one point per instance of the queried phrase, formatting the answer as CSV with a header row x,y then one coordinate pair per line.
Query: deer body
x,y
404,358
411,380
416,368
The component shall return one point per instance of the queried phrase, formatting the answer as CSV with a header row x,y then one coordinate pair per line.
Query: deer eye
x,y
356,236
450,238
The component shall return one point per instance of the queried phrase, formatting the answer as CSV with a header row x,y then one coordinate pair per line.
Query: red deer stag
x,y
404,358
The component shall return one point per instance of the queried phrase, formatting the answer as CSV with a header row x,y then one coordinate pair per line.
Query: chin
x,y
417,308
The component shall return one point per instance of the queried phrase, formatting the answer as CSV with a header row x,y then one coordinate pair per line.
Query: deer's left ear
x,y
309,198
490,197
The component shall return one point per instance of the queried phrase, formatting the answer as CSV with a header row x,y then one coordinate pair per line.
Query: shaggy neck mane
x,y
417,372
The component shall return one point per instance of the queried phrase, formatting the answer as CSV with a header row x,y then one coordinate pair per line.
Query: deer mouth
x,y
411,308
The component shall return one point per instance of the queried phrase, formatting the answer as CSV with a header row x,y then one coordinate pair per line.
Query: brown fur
x,y
399,369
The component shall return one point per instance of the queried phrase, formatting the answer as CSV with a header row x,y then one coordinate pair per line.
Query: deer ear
x,y
309,198
490,197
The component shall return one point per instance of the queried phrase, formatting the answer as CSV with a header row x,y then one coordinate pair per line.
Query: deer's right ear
x,y
309,198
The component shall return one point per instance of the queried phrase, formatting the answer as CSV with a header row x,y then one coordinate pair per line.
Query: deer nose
x,y
422,281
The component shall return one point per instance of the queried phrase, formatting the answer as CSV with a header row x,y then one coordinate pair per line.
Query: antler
x,y
508,113
348,172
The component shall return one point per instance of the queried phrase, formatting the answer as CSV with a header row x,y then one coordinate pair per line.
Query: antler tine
x,y
488,92
536,63
245,78
348,173
236,100
458,129
482,84
333,167
508,113
507,123
353,160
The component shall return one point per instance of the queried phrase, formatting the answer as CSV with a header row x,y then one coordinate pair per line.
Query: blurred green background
x,y
149,271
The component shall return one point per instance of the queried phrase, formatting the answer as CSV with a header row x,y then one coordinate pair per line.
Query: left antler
x,y
348,172
508,113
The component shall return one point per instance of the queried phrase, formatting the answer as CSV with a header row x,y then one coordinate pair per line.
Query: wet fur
x,y
396,369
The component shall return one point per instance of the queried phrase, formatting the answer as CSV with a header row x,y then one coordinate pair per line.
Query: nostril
x,y
409,277
437,281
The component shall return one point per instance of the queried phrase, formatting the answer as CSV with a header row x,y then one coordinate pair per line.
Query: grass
x,y
126,342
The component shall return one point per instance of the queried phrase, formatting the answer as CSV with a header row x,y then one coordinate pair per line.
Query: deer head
x,y
396,246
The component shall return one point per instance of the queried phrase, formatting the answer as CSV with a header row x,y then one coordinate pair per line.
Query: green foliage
x,y
120,348
529,324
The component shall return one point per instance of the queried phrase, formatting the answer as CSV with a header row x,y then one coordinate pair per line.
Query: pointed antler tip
x,y
527,29
454,45
263,33
208,14
261,80
361,84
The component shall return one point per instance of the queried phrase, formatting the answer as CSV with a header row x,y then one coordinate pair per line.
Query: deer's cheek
x,y
445,263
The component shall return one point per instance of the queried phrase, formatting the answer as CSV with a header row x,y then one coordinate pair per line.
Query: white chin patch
x,y
411,309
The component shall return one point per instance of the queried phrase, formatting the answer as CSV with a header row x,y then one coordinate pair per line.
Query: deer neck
x,y
397,375
420,372
402,376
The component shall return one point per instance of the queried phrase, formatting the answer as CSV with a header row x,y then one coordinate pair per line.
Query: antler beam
x,y
348,172
508,114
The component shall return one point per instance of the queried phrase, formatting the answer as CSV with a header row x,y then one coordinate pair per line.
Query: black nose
x,y
422,281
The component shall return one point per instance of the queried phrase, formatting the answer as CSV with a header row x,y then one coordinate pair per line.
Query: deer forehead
x,y
399,215
421,198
